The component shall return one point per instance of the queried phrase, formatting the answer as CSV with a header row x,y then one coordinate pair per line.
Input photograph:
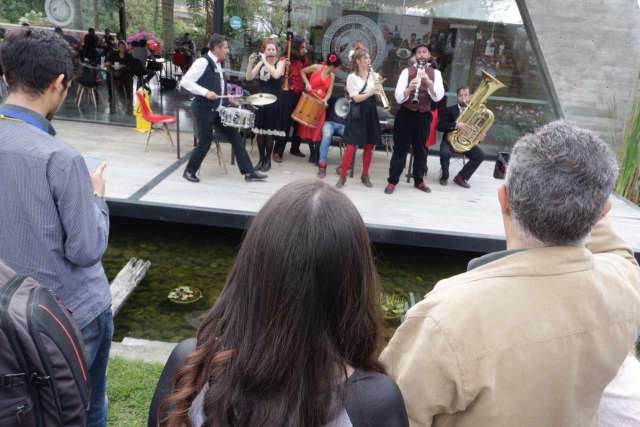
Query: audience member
x,y
529,336
620,403
121,64
90,47
293,338
54,221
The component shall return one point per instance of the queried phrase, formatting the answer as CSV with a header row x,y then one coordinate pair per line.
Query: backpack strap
x,y
10,330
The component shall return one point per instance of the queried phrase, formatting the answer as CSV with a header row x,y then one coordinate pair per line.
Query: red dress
x,y
319,87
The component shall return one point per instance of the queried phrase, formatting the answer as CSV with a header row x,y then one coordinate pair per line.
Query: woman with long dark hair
x,y
320,85
294,338
363,126
290,99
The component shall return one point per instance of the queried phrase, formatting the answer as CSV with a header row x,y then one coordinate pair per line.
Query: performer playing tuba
x,y
413,120
447,124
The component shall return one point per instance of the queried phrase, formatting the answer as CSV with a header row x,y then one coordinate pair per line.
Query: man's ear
x,y
58,85
606,208
503,199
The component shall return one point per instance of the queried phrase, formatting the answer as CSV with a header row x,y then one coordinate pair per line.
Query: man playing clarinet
x,y
419,88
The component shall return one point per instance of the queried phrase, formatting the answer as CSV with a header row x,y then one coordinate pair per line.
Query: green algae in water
x,y
201,257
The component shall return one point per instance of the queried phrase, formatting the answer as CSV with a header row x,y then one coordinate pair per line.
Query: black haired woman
x,y
268,69
294,338
290,99
319,85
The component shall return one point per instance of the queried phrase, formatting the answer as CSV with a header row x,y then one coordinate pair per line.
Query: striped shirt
x,y
52,227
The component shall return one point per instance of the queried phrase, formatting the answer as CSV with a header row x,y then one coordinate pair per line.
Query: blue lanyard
x,y
17,115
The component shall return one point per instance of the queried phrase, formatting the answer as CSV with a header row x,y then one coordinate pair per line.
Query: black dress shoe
x,y
266,166
255,176
190,176
443,181
297,153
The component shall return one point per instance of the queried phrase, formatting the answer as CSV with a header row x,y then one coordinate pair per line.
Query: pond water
x,y
201,257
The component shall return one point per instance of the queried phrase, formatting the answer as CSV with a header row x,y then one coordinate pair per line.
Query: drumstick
x,y
229,96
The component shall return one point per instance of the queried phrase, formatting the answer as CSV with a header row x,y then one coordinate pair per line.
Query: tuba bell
x,y
477,116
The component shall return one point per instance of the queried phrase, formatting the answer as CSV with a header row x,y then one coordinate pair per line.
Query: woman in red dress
x,y
320,85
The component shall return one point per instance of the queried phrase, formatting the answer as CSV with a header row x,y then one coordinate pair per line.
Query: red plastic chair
x,y
154,119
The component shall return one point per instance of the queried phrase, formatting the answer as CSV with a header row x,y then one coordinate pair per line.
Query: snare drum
x,y
309,111
237,118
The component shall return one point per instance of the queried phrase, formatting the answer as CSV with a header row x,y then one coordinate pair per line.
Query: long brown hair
x,y
300,304
357,54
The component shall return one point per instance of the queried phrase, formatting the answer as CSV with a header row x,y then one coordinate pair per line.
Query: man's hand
x,y
211,96
97,180
463,127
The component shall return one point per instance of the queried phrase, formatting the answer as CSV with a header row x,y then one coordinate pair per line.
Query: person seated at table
x,y
120,65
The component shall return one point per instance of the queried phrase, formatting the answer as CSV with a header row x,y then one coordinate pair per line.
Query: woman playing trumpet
x,y
363,126
268,123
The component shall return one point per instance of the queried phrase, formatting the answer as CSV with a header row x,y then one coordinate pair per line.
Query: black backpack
x,y
44,380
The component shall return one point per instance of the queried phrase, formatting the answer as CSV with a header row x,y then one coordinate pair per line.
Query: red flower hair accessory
x,y
359,45
332,57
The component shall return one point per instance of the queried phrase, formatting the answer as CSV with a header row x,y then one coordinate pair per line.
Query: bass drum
x,y
309,111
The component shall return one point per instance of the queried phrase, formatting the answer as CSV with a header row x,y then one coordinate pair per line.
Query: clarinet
x,y
421,67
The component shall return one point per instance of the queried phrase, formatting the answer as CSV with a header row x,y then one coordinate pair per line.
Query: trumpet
x,y
381,95
421,66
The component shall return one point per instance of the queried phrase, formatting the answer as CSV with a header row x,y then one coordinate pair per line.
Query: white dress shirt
x,y
355,84
197,69
403,83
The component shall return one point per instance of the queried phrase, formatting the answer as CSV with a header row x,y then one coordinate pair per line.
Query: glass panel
x,y
465,37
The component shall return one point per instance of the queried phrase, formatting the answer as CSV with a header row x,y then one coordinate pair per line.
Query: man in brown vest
x,y
418,86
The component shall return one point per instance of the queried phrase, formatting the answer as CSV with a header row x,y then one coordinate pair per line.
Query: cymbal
x,y
261,99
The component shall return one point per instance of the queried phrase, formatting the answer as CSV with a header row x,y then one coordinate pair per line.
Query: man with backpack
x,y
54,222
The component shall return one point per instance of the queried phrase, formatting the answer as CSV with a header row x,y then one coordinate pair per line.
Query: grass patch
x,y
130,389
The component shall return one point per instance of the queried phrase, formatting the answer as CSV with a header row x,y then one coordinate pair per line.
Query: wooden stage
x,y
149,185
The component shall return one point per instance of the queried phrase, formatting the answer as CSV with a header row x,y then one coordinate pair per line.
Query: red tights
x,y
349,152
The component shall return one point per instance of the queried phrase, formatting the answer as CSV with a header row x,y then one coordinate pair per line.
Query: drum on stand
x,y
237,117
309,111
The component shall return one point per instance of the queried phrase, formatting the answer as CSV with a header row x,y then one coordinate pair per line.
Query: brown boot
x,y
341,181
366,181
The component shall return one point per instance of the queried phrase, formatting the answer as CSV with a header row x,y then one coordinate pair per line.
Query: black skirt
x,y
366,129
269,117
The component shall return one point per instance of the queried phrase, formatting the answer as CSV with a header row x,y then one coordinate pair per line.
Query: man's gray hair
x,y
558,181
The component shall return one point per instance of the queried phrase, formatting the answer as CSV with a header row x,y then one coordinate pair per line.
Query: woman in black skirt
x,y
363,127
268,124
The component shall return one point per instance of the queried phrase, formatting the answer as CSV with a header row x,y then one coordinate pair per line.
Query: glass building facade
x,y
465,36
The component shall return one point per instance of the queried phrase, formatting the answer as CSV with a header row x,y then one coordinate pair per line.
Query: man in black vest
x,y
205,80
446,124
418,85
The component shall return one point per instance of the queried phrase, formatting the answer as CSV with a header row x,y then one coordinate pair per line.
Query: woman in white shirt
x,y
363,126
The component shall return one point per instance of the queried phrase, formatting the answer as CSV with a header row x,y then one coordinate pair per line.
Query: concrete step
x,y
147,351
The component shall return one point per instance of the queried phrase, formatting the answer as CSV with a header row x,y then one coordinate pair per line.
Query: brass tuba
x,y
477,116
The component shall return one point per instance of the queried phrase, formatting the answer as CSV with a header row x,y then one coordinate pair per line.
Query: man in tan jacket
x,y
532,335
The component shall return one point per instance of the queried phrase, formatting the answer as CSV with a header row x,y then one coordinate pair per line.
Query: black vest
x,y
209,80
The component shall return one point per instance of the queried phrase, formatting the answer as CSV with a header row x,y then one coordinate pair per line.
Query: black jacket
x,y
447,121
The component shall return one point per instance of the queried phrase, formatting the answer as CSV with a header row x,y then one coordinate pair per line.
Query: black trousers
x,y
206,120
410,129
475,156
289,103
